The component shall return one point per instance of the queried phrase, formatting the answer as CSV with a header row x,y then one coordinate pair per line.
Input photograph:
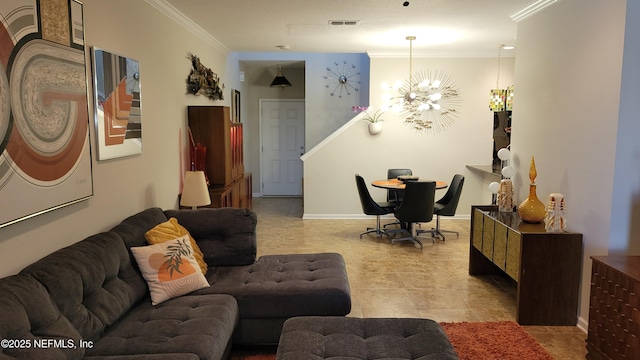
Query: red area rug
x,y
502,340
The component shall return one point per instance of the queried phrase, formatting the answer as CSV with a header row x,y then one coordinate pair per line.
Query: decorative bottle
x,y
532,210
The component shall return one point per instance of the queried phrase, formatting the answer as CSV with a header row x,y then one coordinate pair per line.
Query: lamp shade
x,y
497,99
194,191
280,80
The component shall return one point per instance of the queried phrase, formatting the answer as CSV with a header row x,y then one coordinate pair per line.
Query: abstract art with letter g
x,y
45,156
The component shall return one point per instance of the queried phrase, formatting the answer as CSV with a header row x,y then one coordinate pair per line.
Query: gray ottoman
x,y
342,338
278,287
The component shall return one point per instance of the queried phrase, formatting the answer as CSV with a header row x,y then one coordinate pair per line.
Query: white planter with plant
x,y
375,122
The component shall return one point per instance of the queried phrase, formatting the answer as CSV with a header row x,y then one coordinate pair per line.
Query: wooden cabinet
x,y
238,194
211,126
545,266
614,315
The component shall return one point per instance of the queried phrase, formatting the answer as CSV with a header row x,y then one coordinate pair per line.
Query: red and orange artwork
x,y
45,157
116,114
118,105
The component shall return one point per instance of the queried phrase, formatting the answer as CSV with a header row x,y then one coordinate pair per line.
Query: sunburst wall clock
x,y
343,79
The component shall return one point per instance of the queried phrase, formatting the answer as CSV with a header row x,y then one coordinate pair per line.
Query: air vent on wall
x,y
344,22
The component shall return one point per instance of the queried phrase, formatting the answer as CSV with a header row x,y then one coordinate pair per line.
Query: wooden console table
x,y
614,308
546,266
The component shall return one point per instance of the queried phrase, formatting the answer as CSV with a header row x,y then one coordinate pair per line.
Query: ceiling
x,y
441,27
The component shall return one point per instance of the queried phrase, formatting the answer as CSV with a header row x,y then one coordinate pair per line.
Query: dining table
x,y
395,184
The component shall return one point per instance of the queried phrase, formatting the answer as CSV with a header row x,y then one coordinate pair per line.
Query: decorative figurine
x,y
554,220
505,195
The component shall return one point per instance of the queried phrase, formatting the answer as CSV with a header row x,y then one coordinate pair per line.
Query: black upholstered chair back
x,y
393,195
417,205
448,204
369,206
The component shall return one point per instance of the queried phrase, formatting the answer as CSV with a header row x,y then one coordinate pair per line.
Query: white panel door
x,y
282,146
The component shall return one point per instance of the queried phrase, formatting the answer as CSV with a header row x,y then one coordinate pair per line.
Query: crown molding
x,y
532,9
426,54
182,20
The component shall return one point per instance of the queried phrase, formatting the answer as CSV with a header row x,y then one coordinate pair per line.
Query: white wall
x,y
329,171
567,78
125,186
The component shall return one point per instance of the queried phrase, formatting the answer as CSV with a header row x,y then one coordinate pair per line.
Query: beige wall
x,y
125,186
329,170
568,71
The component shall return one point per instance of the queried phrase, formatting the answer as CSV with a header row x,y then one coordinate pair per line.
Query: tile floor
x,y
399,280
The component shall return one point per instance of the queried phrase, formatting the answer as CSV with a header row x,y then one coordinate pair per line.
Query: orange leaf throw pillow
x,y
170,230
169,268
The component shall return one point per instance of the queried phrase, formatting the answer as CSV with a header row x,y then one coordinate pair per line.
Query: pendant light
x,y
428,100
501,99
280,80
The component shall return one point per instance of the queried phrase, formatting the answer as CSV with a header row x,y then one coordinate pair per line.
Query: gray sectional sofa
x,y
89,300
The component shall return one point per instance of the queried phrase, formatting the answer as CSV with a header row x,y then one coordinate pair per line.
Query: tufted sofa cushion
x,y
171,356
133,228
226,236
29,314
93,282
198,324
277,286
337,338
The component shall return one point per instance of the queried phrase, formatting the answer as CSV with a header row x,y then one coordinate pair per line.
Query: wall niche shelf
x,y
485,169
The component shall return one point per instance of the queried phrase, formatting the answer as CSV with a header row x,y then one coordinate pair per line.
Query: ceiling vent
x,y
344,22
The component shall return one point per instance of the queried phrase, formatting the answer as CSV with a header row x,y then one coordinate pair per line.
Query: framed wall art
x,y
118,111
45,152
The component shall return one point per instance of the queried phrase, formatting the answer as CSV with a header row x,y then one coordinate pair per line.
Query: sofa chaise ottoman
x,y
270,289
91,301
342,338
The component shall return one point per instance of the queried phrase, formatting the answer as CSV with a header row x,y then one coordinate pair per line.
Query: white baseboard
x,y
365,217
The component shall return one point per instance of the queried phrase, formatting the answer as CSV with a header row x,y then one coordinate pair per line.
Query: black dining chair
x,y
395,196
371,207
447,206
416,207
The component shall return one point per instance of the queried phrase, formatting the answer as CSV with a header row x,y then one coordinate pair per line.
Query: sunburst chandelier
x,y
428,100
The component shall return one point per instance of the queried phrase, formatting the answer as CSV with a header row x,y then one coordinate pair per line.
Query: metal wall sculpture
x,y
45,157
202,80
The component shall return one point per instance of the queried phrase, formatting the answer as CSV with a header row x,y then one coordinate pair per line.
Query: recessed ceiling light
x,y
508,47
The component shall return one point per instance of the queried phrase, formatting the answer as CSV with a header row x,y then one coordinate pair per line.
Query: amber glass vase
x,y
532,210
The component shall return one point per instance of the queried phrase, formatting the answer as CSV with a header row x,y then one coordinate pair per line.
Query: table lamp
x,y
194,191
